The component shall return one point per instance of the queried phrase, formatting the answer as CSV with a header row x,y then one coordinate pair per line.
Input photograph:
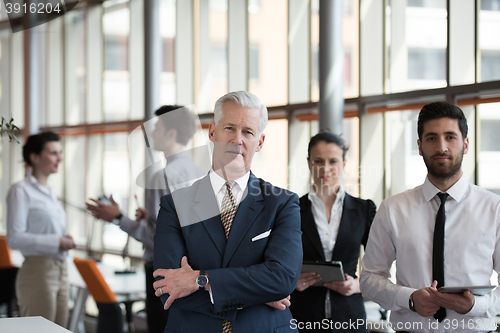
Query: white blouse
x,y
327,230
35,220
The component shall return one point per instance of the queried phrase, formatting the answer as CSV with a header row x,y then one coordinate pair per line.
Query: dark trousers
x,y
157,316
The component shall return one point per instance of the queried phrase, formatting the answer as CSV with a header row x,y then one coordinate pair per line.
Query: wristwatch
x,y
411,304
117,219
202,279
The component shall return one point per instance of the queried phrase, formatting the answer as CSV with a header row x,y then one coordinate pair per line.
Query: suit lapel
x,y
349,214
309,227
247,212
206,207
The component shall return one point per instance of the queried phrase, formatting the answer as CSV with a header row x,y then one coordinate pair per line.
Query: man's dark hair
x,y
182,120
438,110
36,143
327,137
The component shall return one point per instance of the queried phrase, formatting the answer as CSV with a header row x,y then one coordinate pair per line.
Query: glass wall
x,y
267,57
213,53
489,146
489,44
91,74
350,30
116,75
416,44
167,34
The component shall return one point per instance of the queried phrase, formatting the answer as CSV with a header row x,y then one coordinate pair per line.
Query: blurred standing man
x,y
445,232
240,234
171,134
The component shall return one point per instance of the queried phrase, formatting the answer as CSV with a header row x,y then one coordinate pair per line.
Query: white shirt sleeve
x,y
376,264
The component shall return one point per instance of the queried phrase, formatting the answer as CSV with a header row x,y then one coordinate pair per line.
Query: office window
x,y
116,55
219,61
213,57
350,32
271,163
405,168
416,44
74,185
253,6
490,65
489,43
426,64
116,181
268,28
254,62
5,73
352,169
74,61
427,3
116,75
489,147
168,21
493,5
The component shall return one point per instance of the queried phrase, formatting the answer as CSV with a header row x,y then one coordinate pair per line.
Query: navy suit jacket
x,y
309,305
244,274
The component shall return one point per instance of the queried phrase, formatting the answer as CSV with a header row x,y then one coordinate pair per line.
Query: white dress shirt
x,y
327,230
219,187
35,220
403,230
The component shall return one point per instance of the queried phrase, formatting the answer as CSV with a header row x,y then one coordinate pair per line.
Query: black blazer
x,y
309,305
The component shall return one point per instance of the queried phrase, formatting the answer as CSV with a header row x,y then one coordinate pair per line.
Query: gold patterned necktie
x,y
228,210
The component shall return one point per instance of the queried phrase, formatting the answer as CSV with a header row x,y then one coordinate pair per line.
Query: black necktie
x,y
438,251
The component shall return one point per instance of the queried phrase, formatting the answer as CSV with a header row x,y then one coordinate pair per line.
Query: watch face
x,y
202,280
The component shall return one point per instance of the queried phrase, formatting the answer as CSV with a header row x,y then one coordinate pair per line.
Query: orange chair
x,y
8,275
5,261
110,318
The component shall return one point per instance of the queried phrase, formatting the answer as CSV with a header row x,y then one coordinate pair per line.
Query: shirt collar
x,y
457,191
340,194
30,179
218,182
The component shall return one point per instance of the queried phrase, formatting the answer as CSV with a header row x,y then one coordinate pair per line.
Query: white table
x,y
30,325
126,285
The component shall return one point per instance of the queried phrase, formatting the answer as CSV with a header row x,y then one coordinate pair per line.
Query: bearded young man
x,y
444,232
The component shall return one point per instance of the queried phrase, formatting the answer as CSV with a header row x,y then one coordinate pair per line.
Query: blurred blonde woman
x,y
36,225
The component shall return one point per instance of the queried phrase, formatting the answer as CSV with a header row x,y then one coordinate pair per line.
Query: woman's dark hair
x,y
327,137
183,120
36,143
438,110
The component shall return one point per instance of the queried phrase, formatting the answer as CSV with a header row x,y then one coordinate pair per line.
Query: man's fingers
x,y
169,302
184,261
434,284
286,302
308,274
159,272
96,201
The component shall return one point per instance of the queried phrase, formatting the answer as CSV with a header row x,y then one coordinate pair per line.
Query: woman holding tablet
x,y
36,225
334,225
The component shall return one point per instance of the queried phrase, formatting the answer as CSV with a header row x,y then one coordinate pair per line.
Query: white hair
x,y
244,99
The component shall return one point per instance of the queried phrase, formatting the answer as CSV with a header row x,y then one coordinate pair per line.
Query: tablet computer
x,y
475,290
328,270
